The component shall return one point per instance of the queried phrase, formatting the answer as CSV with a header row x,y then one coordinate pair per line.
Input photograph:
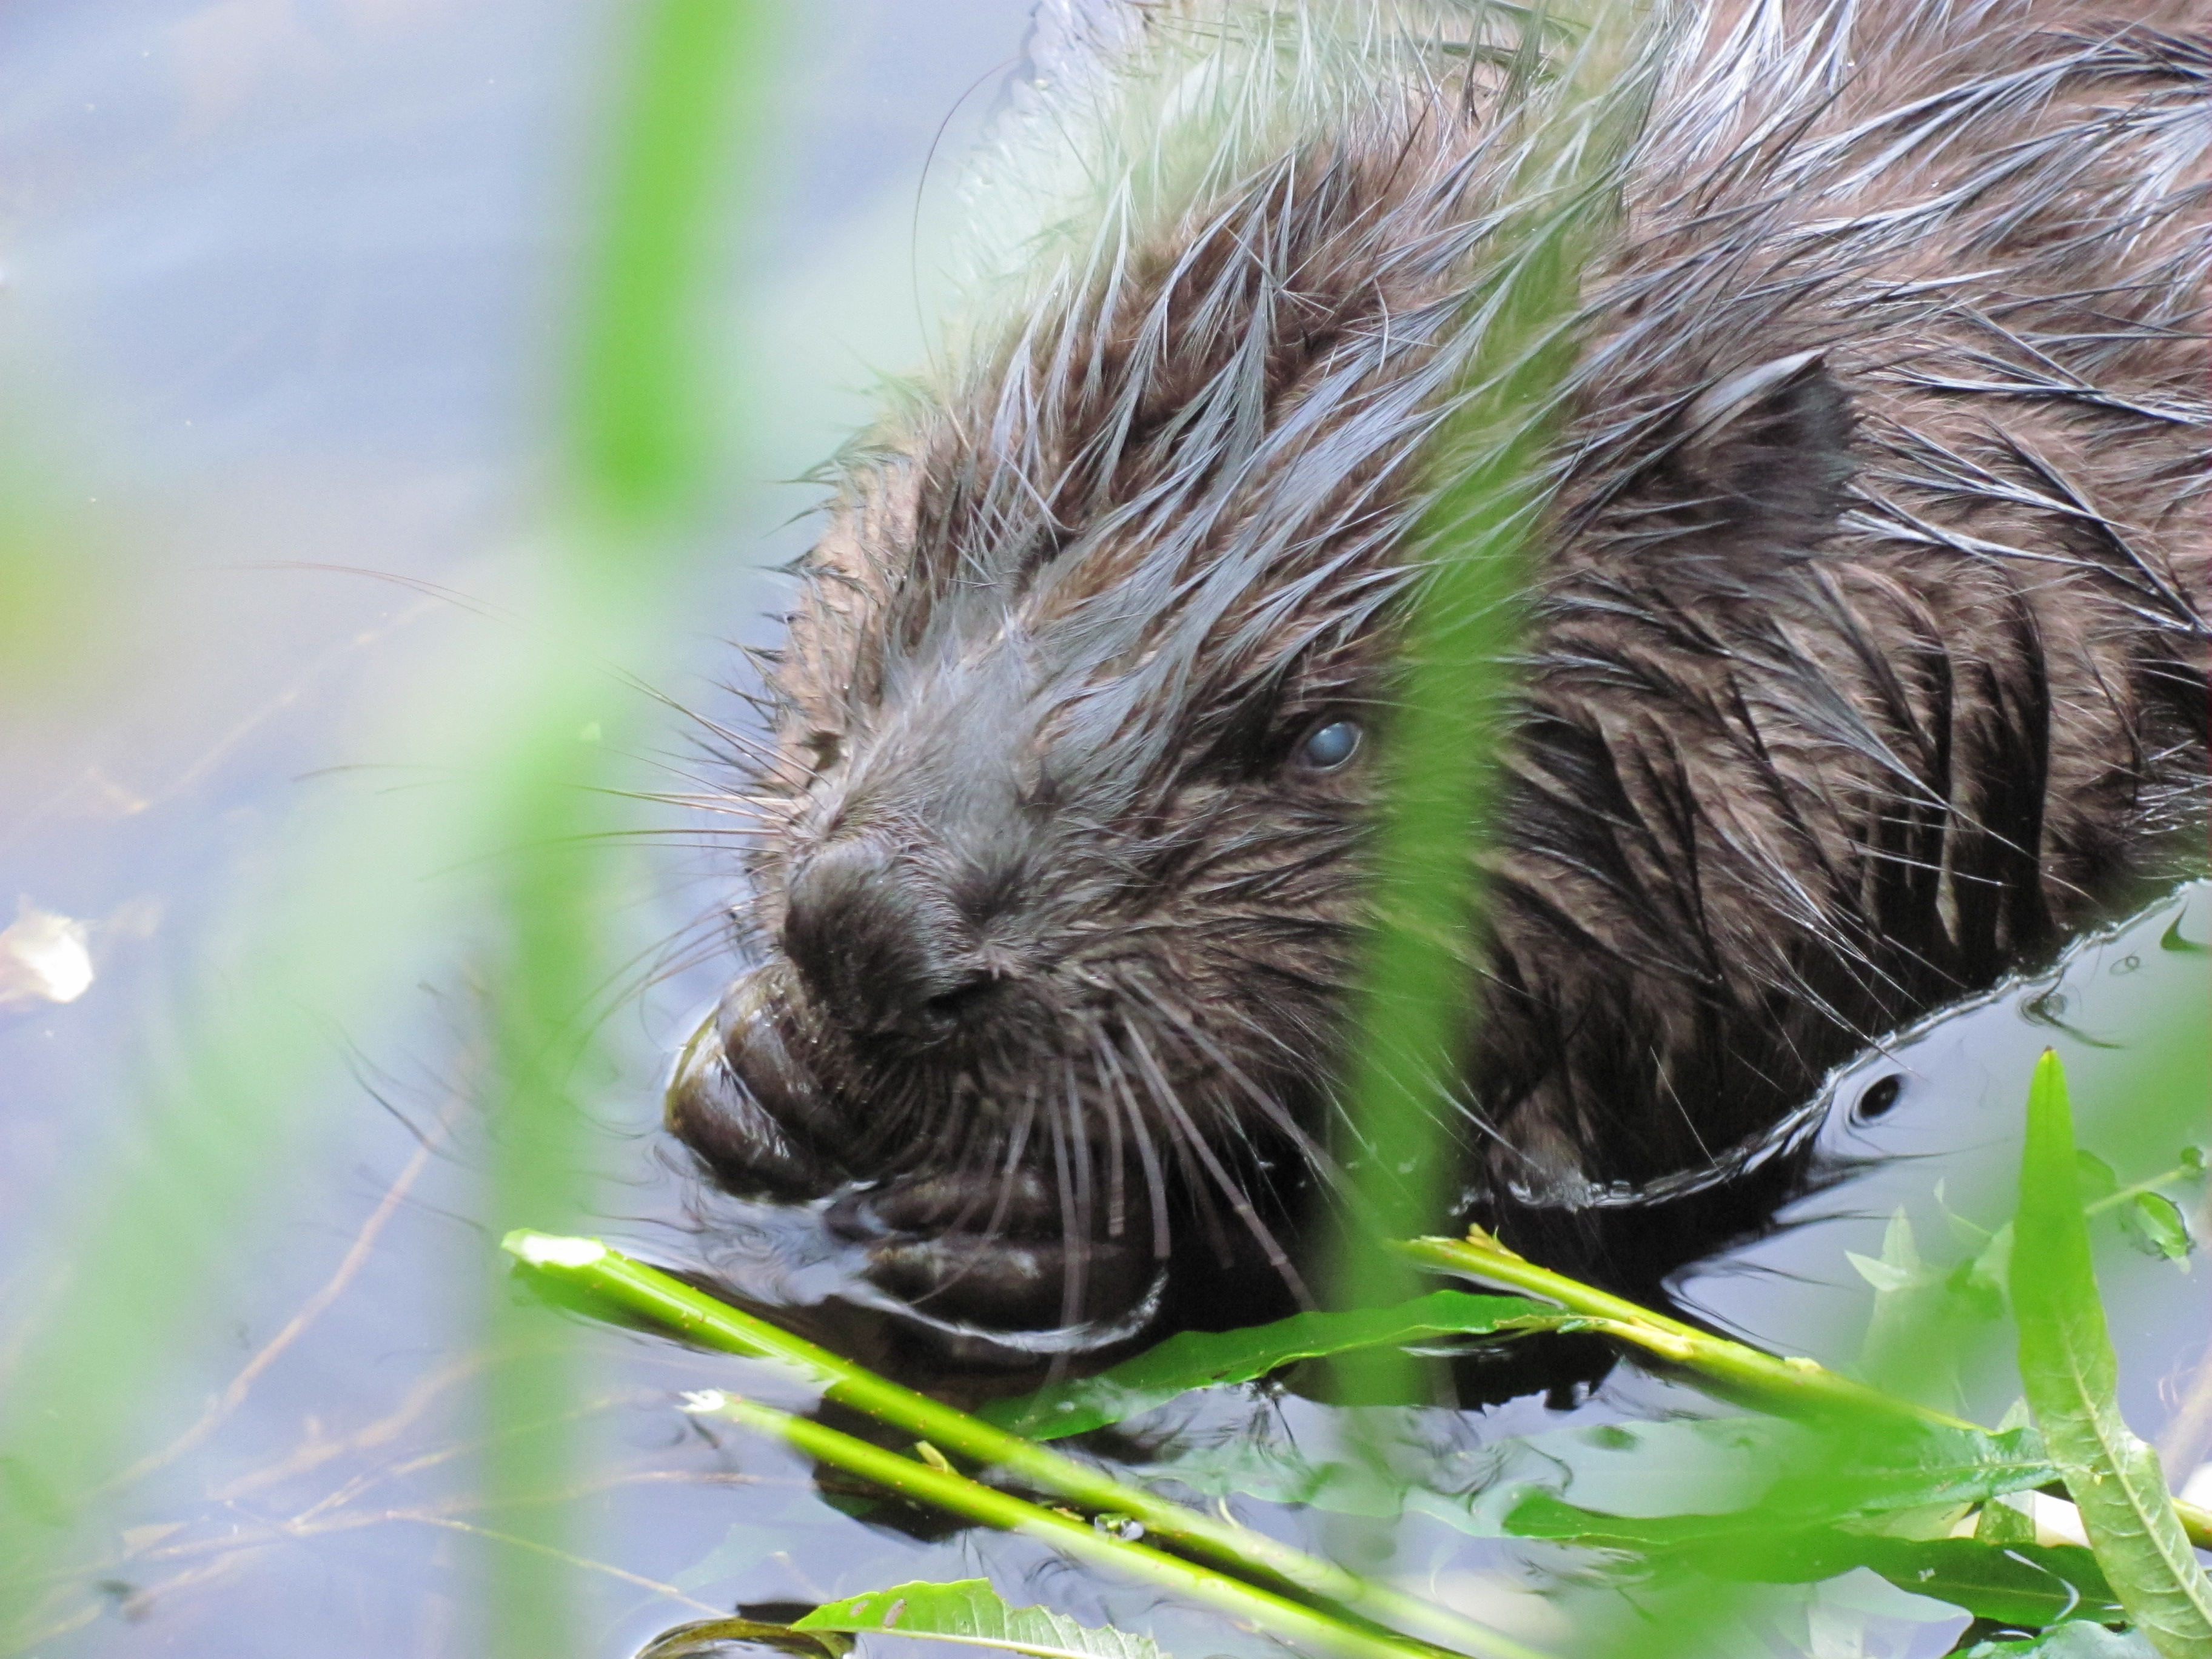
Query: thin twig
x,y
583,1561
357,1254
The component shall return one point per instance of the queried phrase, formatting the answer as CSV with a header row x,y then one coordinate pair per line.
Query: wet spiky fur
x,y
1867,653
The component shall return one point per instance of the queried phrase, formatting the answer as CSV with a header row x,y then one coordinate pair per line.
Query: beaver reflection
x,y
1866,661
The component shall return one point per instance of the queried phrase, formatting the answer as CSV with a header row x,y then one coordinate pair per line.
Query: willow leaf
x,y
1197,1359
971,1612
2071,1379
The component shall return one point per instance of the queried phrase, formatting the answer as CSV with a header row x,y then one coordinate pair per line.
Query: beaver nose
x,y
880,944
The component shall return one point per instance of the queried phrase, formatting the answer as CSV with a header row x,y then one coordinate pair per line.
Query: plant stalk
x,y
632,1284
1278,1616
1789,1388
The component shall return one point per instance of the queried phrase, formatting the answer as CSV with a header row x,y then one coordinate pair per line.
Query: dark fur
x,y
1867,665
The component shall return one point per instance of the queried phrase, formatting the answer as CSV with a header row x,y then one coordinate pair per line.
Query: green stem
x,y
1787,1387
641,1289
2197,1523
1286,1620
2113,1200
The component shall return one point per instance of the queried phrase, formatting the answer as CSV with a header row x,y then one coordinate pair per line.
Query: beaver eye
x,y
1328,746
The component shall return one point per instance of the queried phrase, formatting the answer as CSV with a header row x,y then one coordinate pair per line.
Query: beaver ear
x,y
1771,447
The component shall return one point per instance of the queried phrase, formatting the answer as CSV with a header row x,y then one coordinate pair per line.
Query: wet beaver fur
x,y
1867,662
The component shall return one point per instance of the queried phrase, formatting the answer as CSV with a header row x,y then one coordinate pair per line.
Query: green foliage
x,y
1337,1605
1456,685
2067,1365
2015,1584
2154,1224
2077,1638
970,1612
1199,1359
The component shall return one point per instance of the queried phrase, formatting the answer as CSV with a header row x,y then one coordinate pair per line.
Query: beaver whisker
x,y
1272,1110
1071,1184
1117,1174
1140,1134
1010,1166
1238,1198
720,808
719,802
734,751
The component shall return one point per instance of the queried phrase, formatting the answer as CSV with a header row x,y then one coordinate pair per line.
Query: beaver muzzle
x,y
979,1258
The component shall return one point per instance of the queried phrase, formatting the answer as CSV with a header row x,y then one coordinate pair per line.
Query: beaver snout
x,y
998,1263
882,947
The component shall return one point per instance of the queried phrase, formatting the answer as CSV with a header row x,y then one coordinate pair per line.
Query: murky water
x,y
284,284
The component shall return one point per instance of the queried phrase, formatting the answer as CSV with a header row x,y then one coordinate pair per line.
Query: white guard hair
x,y
1129,112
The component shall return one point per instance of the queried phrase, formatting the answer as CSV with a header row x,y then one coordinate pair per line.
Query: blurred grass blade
x,y
1456,685
1200,1360
2071,1379
970,1612
642,417
640,451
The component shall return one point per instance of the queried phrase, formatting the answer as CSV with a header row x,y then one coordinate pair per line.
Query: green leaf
x,y
1910,1295
1881,1470
2022,1584
2067,1365
2002,1523
2173,939
969,1611
1882,1275
1197,1359
1977,1285
2154,1224
1808,1477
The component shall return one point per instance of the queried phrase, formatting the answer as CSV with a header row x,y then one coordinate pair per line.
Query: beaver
x,y
1865,661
